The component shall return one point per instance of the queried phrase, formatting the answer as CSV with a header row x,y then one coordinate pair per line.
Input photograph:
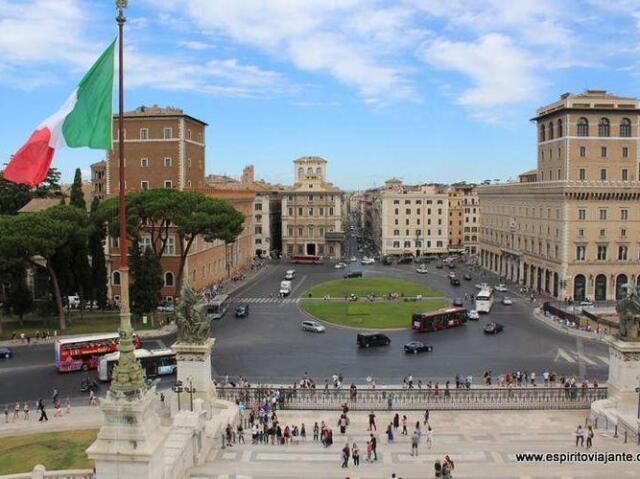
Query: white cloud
x,y
500,72
195,45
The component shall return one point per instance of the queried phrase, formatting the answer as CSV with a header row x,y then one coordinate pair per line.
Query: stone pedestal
x,y
130,441
194,369
624,377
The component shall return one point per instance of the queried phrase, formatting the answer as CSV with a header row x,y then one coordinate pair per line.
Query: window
x,y
624,214
144,162
603,233
603,214
583,151
144,185
582,214
625,152
603,174
543,130
559,128
168,184
144,133
396,202
188,134
602,253
168,162
170,248
581,233
603,151
407,244
603,127
115,278
258,229
625,128
396,244
258,206
396,211
115,241
168,279
407,211
582,173
310,211
623,253
406,222
290,211
624,174
167,133
407,202
583,127
551,130
396,232
290,230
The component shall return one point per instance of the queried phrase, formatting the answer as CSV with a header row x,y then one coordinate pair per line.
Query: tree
x,y
76,197
160,212
146,270
37,237
98,273
50,187
12,196
20,298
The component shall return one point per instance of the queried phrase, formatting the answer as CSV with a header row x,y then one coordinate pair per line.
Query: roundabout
x,y
370,303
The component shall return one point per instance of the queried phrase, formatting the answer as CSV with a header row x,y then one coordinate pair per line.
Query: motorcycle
x,y
87,385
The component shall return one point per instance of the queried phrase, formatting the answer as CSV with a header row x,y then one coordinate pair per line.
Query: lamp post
x,y
190,390
128,380
178,389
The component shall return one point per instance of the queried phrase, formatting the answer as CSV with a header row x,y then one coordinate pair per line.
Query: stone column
x,y
194,369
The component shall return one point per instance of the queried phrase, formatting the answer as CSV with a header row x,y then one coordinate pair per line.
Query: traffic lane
x,y
29,355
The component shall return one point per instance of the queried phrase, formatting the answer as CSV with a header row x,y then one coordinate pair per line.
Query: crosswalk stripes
x,y
572,357
564,355
265,300
604,359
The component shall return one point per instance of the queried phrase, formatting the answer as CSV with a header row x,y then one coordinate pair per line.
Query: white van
x,y
285,288
290,274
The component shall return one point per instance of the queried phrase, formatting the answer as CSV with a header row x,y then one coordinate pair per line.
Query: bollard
x,y
625,437
223,443
596,423
615,431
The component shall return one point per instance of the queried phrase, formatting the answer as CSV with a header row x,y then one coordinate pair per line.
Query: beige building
x,y
410,219
312,212
571,228
464,218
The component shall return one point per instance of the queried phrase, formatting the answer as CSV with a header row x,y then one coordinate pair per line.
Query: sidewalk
x,y
79,417
540,316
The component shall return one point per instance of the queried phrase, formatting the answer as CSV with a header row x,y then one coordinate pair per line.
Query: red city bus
x,y
82,352
441,319
305,259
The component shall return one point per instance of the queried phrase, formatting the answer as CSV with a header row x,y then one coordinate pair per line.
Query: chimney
x,y
248,174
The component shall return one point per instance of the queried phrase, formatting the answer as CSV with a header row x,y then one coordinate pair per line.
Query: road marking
x,y
564,355
587,360
604,359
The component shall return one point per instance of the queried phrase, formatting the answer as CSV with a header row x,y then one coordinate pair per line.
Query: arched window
x,y
601,287
309,171
603,127
168,279
583,127
300,172
318,171
543,135
551,130
579,288
621,282
625,128
115,278
560,132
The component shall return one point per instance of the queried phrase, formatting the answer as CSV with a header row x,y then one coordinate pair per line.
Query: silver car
x,y
313,326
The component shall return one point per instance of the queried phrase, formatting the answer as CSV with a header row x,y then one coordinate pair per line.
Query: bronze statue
x,y
193,328
628,309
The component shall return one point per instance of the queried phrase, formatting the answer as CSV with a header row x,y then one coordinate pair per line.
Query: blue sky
x,y
425,90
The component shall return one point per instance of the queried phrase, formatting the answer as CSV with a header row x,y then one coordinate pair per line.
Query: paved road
x,y
270,346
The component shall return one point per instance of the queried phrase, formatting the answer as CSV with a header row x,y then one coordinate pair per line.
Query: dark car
x,y
458,302
439,266
5,352
493,328
405,260
454,281
366,340
467,277
451,265
387,260
353,274
242,311
415,347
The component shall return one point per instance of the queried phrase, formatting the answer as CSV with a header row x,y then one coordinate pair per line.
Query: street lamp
x,y
178,389
190,390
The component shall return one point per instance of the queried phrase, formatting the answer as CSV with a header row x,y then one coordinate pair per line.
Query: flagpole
x,y
128,380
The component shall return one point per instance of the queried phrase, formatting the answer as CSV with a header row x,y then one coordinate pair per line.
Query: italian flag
x,y
85,119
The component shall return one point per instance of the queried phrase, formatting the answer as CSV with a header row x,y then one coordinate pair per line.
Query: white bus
x,y
154,362
484,300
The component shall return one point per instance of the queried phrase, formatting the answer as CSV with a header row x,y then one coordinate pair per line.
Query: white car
x,y
290,274
366,260
452,274
353,259
340,265
422,269
481,285
507,301
473,315
313,326
501,287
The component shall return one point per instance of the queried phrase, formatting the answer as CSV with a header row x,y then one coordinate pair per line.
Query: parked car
x,y
481,285
313,326
507,301
387,260
454,281
353,259
493,328
405,260
458,302
353,274
165,307
242,311
473,315
422,269
415,347
366,340
290,274
467,277
500,287
5,353
340,265
452,274
367,260
439,266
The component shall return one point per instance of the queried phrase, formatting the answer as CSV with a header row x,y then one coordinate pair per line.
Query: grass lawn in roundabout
x,y
364,313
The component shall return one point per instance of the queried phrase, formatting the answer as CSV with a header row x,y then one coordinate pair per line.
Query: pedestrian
x,y
316,431
25,409
228,435
162,399
369,451
6,414
355,454
93,400
426,417
396,421
16,412
303,433
68,406
429,437
54,395
372,422
389,433
447,467
438,469
374,447
415,439
345,456
240,433
590,437
404,425
579,435
43,412
58,406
